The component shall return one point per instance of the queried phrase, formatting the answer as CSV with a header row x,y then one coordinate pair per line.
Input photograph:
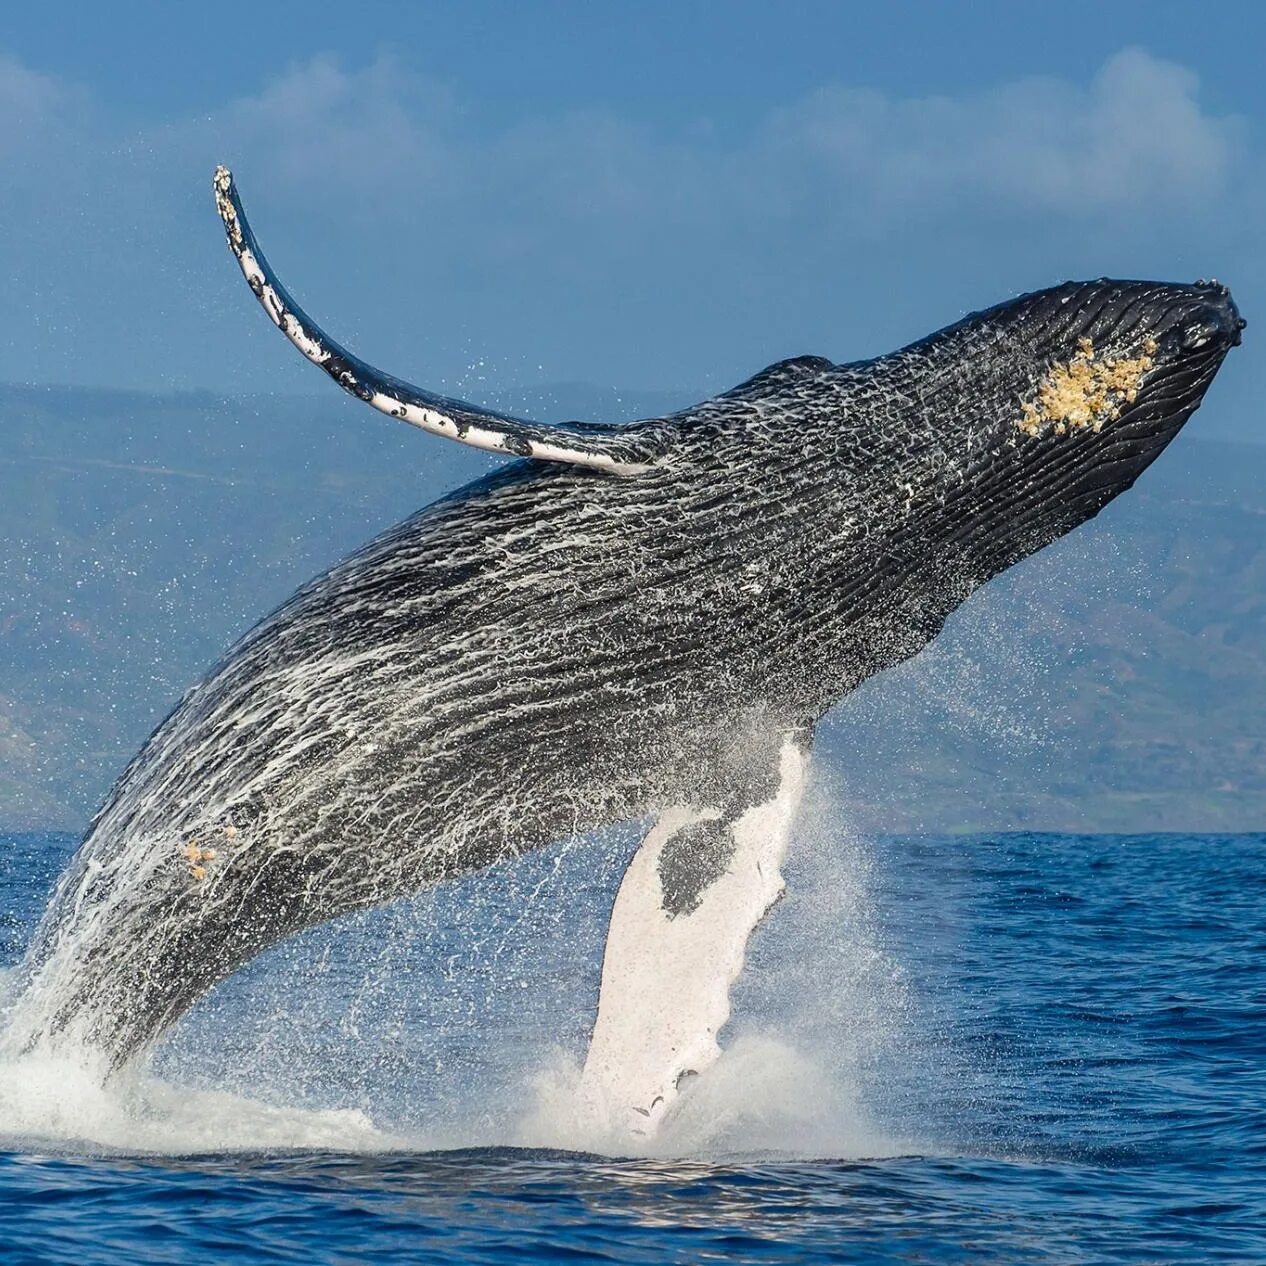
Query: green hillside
x,y
1116,681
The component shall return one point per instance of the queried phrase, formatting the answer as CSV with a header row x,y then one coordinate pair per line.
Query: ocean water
x,y
1017,1048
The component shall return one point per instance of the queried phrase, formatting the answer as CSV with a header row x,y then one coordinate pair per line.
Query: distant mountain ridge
x,y
1117,681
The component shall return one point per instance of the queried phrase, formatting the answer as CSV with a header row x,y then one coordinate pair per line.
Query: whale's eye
x,y
1197,335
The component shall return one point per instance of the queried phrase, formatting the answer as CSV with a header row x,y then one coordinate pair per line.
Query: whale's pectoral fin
x,y
622,450
692,895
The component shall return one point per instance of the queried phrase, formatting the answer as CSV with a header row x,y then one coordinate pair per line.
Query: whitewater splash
x,y
456,1021
63,1103
763,1097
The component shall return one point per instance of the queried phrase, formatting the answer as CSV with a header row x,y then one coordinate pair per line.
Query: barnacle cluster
x,y
197,855
1088,391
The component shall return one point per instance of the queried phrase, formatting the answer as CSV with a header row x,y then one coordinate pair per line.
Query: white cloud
x,y
383,142
559,233
377,129
1135,136
36,112
25,95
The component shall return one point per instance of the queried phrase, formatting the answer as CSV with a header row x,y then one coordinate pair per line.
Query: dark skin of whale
x,y
554,649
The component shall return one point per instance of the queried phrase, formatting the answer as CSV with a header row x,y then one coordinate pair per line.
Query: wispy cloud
x,y
379,129
1136,132
747,243
1134,136
38,113
27,97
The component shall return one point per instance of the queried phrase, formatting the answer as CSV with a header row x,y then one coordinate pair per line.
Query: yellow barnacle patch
x,y
1088,391
196,858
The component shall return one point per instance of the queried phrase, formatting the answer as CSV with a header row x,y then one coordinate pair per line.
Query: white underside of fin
x,y
666,981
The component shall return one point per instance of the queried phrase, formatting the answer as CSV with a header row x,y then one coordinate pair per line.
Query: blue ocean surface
x,y
1018,1048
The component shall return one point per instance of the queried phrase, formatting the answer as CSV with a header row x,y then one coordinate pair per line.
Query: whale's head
x,y
1127,360
1058,400
964,453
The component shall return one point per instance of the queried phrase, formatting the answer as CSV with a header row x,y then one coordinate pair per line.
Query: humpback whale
x,y
638,622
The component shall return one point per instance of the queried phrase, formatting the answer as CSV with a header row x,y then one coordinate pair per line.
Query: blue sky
x,y
652,195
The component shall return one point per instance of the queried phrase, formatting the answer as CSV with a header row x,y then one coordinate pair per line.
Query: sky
x,y
660,195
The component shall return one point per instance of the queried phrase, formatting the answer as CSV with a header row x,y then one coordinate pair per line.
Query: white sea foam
x,y
763,1096
63,1102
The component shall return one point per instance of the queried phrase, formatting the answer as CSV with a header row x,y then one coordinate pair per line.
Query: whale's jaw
x,y
1038,412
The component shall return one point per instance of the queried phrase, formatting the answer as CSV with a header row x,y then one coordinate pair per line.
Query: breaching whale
x,y
628,622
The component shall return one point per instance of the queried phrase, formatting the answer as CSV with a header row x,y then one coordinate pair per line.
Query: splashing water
x,y
459,1019
63,1103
